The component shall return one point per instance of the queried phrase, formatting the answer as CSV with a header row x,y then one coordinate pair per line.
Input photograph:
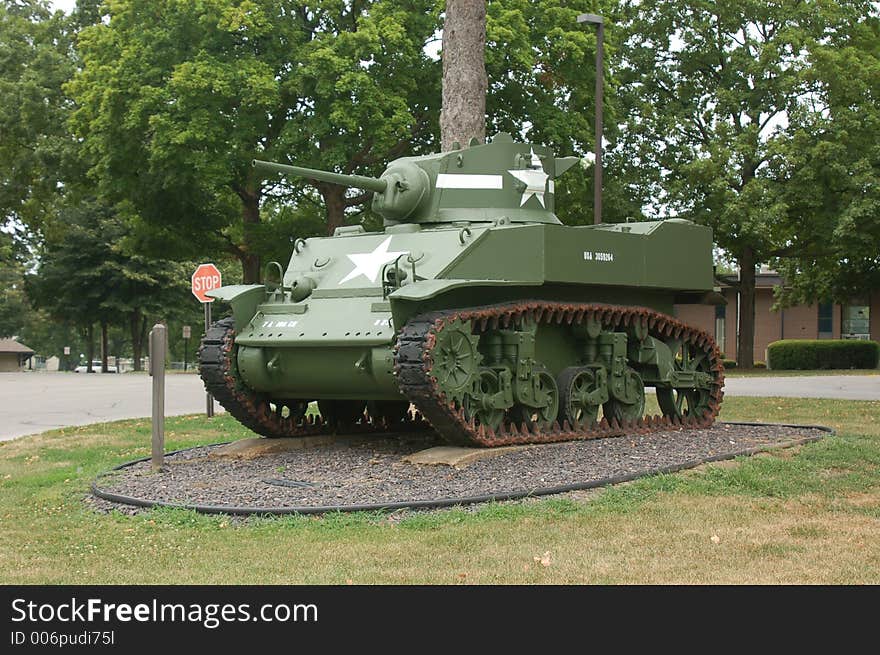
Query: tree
x,y
13,303
830,169
463,114
708,87
18,317
175,99
35,61
86,278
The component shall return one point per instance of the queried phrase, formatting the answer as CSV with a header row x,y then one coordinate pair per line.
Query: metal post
x,y
210,399
187,333
157,370
599,22
600,75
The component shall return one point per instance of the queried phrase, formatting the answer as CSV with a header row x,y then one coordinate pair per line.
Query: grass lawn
x,y
809,515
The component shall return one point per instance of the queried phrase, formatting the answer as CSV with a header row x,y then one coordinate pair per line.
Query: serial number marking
x,y
596,256
268,324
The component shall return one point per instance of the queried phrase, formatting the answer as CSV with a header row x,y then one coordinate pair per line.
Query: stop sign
x,y
206,278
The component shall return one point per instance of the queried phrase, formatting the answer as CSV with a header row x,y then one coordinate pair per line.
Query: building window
x,y
826,320
856,319
720,314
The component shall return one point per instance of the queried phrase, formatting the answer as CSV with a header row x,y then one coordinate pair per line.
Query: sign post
x,y
206,278
209,410
157,370
187,333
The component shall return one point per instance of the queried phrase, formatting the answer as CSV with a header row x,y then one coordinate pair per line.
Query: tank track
x,y
413,364
217,367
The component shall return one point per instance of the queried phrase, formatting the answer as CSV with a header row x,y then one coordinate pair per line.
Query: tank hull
x,y
333,329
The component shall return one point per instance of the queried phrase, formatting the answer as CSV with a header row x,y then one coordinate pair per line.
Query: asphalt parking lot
x,y
34,402
844,387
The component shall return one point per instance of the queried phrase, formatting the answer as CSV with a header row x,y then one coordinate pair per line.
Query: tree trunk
x,y
104,347
334,200
250,259
90,346
463,114
745,347
137,341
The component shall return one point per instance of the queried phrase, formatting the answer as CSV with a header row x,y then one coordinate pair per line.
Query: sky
x,y
64,5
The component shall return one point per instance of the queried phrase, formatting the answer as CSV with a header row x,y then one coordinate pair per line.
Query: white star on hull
x,y
370,263
535,180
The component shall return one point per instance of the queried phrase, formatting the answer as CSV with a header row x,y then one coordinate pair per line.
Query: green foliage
x,y
86,277
729,363
542,74
831,167
540,80
702,95
35,61
13,303
718,95
175,99
822,354
18,317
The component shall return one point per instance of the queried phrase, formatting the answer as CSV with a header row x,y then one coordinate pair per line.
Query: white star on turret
x,y
368,264
534,178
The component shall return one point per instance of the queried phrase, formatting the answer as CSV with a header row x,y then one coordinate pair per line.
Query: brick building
x,y
859,319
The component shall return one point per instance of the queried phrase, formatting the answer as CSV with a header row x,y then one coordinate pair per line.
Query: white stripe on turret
x,y
464,181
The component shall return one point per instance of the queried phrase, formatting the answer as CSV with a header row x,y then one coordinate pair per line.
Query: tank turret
x,y
501,179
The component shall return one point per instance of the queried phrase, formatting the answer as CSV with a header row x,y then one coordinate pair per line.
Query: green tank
x,y
474,311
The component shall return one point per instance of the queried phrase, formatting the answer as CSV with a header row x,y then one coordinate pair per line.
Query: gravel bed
x,y
372,471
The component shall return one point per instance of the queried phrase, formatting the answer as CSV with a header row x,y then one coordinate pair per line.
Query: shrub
x,y
760,364
803,354
729,363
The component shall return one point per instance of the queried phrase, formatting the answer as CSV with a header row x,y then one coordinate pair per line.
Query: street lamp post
x,y
599,22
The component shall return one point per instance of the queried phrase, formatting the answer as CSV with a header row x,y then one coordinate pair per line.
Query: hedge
x,y
801,354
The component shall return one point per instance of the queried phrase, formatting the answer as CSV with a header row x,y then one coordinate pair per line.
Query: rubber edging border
x,y
445,502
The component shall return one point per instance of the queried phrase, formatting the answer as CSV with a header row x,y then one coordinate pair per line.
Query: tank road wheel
x,y
547,394
576,383
456,359
478,401
681,402
631,407
341,413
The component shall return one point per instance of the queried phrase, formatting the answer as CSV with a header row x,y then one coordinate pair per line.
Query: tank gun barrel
x,y
357,181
